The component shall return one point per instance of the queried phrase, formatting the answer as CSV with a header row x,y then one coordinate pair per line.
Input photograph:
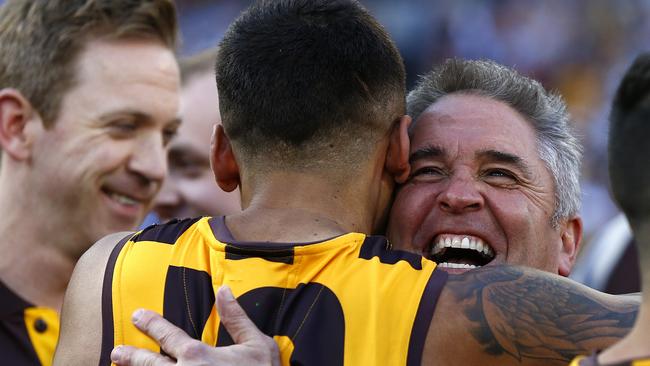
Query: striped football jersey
x,y
349,300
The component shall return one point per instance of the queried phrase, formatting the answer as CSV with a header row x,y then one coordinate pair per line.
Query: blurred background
x,y
577,47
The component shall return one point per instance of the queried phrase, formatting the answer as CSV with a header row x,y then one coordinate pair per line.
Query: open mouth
x,y
460,251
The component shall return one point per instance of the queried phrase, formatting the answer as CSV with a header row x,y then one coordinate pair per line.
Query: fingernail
x,y
137,315
226,293
116,354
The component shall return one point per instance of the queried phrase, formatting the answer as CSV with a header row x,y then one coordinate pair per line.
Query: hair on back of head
x,y
629,150
308,84
40,41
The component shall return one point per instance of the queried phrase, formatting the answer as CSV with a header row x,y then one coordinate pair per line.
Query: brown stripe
x,y
16,349
424,315
188,299
167,233
107,304
378,246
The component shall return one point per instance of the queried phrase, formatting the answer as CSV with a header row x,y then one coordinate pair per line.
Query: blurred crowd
x,y
577,47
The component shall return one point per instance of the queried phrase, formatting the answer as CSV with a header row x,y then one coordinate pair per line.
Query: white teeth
x,y
465,243
457,265
124,199
462,242
488,251
455,243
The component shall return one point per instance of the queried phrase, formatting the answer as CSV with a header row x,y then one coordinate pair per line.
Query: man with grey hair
x,y
494,175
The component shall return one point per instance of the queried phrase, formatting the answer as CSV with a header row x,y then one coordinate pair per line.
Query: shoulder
x,y
81,318
167,233
513,315
99,253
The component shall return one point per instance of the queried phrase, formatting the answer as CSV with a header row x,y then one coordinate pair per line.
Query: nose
x,y
460,196
149,159
168,201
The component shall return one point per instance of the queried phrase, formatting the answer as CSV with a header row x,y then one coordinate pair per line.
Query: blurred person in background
x,y
189,189
89,95
629,153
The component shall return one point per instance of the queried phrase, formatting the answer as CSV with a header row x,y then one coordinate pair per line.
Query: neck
x,y
635,344
295,207
33,263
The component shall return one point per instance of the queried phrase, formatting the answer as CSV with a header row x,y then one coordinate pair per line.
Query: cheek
x,y
512,209
102,154
198,190
527,228
411,207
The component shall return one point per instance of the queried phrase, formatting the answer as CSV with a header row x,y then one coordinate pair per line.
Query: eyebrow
x,y
427,152
505,158
139,116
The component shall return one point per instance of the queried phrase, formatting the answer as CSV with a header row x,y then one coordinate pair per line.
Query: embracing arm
x,y
505,315
81,319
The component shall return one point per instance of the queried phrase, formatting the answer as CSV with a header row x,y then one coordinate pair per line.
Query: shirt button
x,y
40,325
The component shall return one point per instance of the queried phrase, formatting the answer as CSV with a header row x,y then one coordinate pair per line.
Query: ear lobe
x,y
15,113
397,157
224,165
571,236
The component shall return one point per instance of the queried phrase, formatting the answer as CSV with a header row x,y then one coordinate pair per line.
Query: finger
x,y
132,356
170,338
235,319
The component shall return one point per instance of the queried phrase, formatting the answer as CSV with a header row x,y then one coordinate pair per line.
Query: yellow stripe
x,y
44,343
138,282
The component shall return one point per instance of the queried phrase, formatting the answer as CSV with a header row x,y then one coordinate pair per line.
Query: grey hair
x,y
547,112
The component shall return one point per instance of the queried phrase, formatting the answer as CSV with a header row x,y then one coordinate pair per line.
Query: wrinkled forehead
x,y
472,123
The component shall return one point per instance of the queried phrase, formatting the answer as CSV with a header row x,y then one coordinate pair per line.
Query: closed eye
x,y
123,128
427,173
500,176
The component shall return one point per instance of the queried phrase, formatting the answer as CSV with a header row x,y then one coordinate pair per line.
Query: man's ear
x,y
15,113
224,165
397,157
571,236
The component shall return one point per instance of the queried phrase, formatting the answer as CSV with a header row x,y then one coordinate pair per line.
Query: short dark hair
x,y
299,79
40,41
629,136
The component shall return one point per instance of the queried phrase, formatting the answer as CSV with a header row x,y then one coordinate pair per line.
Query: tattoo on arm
x,y
531,315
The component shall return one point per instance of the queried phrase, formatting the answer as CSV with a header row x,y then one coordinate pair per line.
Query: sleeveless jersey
x,y
350,300
593,361
28,333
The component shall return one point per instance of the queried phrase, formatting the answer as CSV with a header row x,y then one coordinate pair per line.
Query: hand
x,y
251,347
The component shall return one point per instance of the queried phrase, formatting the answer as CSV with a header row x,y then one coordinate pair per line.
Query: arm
x,y
81,319
506,315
